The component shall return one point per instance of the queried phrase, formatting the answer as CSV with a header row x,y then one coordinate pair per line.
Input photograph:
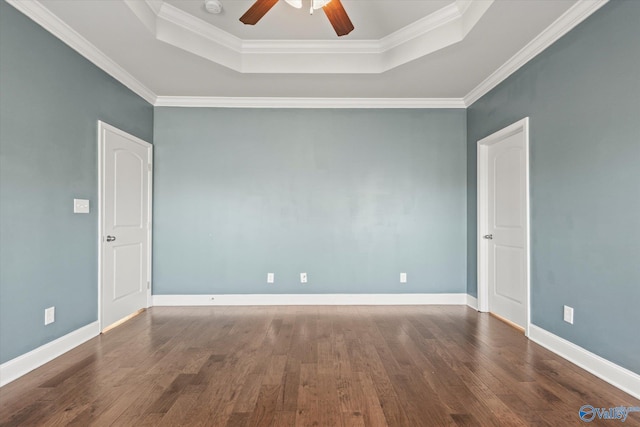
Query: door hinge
x,y
148,284
149,167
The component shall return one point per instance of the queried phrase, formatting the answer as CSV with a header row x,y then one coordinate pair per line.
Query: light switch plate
x,y
81,206
303,277
270,277
403,277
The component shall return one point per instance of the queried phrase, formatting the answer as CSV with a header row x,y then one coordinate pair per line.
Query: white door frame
x,y
483,213
101,214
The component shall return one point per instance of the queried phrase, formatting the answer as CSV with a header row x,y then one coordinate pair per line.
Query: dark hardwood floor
x,y
309,366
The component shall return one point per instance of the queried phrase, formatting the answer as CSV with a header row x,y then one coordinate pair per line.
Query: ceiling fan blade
x,y
338,17
257,11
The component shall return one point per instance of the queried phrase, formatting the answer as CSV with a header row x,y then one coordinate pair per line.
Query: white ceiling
x,y
375,19
399,48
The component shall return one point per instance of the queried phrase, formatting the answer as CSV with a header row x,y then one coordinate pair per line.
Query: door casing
x,y
483,216
101,212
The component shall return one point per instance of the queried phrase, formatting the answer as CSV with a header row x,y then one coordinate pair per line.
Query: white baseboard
x,y
311,299
15,368
616,375
472,302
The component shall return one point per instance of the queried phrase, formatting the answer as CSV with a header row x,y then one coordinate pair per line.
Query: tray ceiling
x,y
400,49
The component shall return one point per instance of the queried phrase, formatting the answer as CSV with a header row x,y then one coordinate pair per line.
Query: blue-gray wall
x,y
351,197
583,97
51,99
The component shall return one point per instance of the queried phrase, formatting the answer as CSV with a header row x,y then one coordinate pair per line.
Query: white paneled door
x,y
125,183
504,227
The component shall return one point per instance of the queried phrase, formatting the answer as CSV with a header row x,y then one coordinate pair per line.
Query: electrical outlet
x,y
270,278
403,277
568,314
49,315
303,277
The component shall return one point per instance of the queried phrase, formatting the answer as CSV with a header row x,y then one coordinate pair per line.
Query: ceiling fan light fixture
x,y
317,4
295,3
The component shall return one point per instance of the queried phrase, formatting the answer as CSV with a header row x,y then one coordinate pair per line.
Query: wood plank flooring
x,y
309,366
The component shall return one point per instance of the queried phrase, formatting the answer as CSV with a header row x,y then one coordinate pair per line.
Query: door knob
x,y
111,238
486,236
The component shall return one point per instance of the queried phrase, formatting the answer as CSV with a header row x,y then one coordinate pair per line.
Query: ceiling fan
x,y
332,8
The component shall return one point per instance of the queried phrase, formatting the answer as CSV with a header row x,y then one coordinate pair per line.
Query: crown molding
x,y
174,15
561,26
146,11
50,22
322,47
423,25
268,102
438,30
